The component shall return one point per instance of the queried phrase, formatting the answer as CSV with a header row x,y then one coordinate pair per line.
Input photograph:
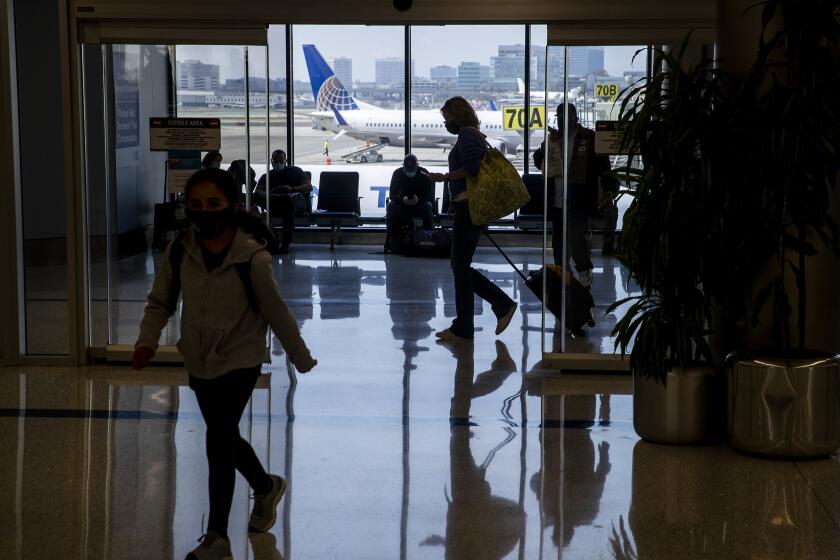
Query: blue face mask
x,y
278,166
409,174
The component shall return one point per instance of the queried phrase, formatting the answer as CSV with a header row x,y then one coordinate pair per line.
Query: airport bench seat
x,y
531,216
338,202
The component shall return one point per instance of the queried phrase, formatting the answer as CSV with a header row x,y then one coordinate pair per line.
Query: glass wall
x,y
43,206
349,105
133,193
348,114
584,203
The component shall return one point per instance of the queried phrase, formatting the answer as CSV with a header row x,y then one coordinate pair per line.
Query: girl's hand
x,y
306,365
142,357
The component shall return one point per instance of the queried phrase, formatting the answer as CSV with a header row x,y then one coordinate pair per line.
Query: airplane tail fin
x,y
339,118
493,106
327,89
521,85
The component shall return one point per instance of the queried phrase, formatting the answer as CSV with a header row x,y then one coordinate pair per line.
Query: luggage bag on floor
x,y
579,301
426,243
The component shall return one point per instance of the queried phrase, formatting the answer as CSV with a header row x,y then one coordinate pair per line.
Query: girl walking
x,y
230,298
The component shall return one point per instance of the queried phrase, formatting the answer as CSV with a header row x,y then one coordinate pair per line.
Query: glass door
x,y
134,200
584,202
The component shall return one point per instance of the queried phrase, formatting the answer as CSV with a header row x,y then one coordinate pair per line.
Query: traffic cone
x,y
327,161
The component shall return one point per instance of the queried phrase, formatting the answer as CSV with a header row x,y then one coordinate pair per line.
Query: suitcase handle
x,y
496,245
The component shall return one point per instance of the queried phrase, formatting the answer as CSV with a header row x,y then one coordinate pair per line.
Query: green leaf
x,y
800,246
760,300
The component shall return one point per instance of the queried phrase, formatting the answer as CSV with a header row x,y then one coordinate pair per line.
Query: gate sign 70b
x,y
610,91
514,117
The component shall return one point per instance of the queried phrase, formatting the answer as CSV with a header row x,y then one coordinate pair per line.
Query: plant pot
x,y
688,409
784,404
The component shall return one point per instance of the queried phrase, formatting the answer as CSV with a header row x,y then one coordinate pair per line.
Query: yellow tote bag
x,y
496,191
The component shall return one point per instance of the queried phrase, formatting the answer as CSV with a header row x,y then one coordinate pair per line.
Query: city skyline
x,y
431,46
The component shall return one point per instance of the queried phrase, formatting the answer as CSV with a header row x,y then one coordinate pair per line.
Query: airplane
x,y
337,111
540,94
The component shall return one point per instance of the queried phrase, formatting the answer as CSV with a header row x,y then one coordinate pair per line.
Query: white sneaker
x,y
585,278
264,514
212,547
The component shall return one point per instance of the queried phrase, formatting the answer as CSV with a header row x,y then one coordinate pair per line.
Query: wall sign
x,y
185,134
607,139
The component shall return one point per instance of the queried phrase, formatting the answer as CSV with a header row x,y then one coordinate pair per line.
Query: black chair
x,y
338,202
531,215
445,216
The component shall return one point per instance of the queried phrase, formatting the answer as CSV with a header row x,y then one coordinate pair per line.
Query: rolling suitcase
x,y
579,301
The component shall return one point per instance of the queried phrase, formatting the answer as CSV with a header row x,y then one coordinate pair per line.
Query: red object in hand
x,y
142,357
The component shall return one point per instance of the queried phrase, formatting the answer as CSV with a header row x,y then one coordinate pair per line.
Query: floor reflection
x,y
395,447
479,524
570,485
113,463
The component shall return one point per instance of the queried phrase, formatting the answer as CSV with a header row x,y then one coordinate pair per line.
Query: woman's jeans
x,y
469,281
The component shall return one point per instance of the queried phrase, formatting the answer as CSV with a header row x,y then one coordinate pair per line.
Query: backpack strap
x,y
176,255
244,270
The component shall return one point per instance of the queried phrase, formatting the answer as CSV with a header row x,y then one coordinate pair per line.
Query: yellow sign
x,y
514,117
610,91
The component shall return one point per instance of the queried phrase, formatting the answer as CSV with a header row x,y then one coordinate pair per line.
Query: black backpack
x,y
176,256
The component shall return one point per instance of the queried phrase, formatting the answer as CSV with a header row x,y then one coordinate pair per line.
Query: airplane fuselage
x,y
427,128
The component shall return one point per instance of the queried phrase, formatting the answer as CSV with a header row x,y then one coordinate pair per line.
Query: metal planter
x,y
784,404
688,409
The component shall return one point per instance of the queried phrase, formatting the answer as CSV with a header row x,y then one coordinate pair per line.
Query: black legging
x,y
222,401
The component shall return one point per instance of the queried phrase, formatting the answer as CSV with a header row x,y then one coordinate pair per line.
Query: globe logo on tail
x,y
332,94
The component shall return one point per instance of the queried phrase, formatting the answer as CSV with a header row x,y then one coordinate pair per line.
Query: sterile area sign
x,y
607,140
185,134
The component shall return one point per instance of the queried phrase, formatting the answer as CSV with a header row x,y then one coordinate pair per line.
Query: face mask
x,y
211,224
409,174
452,128
214,165
278,166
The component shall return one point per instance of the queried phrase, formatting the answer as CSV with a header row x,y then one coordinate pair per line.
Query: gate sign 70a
x,y
514,117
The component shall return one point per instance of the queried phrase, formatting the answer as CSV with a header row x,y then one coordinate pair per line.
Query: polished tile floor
x,y
394,447
335,285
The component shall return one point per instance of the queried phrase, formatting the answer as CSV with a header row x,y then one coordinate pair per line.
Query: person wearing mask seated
x,y
213,160
412,193
289,192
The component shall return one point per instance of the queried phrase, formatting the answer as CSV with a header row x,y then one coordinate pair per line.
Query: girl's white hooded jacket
x,y
220,331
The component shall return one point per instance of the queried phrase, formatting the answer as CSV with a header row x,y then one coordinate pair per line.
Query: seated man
x,y
412,193
289,189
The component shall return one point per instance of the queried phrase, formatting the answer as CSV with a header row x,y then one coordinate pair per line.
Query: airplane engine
x,y
502,145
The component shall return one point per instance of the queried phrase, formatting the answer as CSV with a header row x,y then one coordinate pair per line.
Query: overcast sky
x,y
431,46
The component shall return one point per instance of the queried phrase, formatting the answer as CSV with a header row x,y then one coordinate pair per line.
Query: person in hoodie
x,y
230,298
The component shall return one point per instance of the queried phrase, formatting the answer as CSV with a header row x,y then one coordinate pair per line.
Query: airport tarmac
x,y
309,147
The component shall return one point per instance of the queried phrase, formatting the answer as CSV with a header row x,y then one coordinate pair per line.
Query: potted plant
x,y
780,167
671,122
734,204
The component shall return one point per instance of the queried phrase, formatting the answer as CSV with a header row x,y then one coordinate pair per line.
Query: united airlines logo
x,y
333,95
